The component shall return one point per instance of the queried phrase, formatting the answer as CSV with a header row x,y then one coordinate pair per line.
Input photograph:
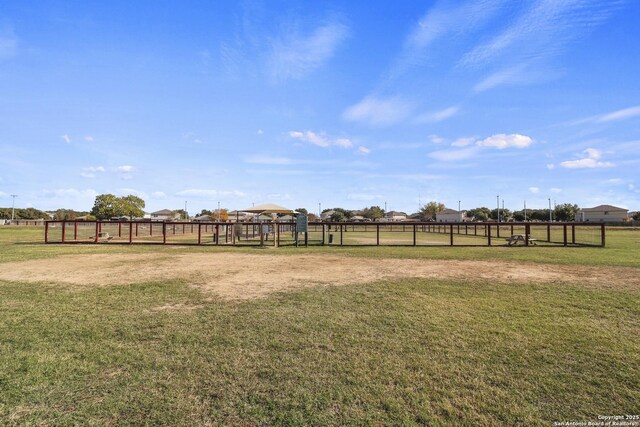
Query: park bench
x,y
515,238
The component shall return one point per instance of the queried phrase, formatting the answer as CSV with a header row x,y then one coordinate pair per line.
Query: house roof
x,y
395,213
163,212
268,208
448,211
604,208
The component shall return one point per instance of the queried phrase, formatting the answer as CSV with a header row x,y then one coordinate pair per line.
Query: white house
x,y
451,215
164,215
602,213
395,216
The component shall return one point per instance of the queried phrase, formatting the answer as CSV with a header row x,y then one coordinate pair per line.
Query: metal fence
x,y
324,233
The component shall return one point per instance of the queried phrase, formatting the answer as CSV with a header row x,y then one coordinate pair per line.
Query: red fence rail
x,y
328,233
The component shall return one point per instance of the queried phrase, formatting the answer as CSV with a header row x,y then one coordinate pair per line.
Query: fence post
x,y
527,231
75,230
164,233
602,234
377,234
450,234
64,231
414,235
46,232
573,234
488,228
130,232
341,240
97,232
548,232
564,233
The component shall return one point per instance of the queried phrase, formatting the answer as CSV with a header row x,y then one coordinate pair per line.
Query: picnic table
x,y
515,238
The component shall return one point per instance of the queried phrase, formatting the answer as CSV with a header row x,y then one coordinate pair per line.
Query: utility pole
x,y
459,212
525,210
319,209
13,206
498,199
218,211
186,213
550,217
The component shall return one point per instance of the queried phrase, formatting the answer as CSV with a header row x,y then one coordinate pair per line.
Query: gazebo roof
x,y
268,208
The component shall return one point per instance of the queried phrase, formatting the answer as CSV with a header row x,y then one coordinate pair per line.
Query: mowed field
x,y
187,335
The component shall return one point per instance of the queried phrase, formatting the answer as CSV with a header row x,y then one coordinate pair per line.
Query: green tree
x,y
302,211
205,212
337,216
479,214
132,206
636,216
565,212
65,214
428,212
105,206
374,213
505,214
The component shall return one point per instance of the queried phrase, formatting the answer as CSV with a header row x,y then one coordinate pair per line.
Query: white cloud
x,y
555,190
463,142
363,150
551,166
88,138
66,138
502,141
208,194
269,160
590,159
90,171
158,195
70,193
436,139
625,113
295,56
534,190
278,196
453,155
320,139
438,116
8,43
378,112
364,197
260,132
125,168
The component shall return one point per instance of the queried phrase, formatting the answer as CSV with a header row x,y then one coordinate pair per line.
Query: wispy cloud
x,y
438,116
625,113
378,112
160,195
534,190
66,138
125,168
363,150
474,146
590,159
320,139
261,159
91,171
544,30
294,56
200,193
8,43
502,141
443,21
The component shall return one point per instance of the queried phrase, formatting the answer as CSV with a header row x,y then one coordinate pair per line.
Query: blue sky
x,y
342,103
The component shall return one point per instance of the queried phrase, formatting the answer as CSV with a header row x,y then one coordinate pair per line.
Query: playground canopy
x,y
268,208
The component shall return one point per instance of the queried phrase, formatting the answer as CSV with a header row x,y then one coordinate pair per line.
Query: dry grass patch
x,y
236,276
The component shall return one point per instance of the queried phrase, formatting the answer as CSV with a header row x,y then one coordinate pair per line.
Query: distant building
x,y
602,213
395,216
164,215
451,215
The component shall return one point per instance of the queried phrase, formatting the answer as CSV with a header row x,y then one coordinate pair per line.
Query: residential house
x,y
451,215
164,215
395,216
602,213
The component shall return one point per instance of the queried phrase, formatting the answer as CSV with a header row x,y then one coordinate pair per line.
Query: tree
x,y
373,213
479,214
108,206
302,211
222,215
428,212
505,214
565,212
636,216
182,214
206,212
337,216
132,206
64,214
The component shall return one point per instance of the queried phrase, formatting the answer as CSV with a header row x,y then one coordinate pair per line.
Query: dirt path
x,y
245,276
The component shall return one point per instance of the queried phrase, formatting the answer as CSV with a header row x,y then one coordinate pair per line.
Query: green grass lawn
x,y
404,352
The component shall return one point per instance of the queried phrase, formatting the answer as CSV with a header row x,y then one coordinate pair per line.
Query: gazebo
x,y
268,208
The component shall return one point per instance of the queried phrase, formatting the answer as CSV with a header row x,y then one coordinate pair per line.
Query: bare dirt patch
x,y
245,276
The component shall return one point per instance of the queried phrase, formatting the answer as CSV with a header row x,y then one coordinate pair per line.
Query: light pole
x,y
319,209
218,211
550,217
186,213
525,210
13,206
498,201
459,212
